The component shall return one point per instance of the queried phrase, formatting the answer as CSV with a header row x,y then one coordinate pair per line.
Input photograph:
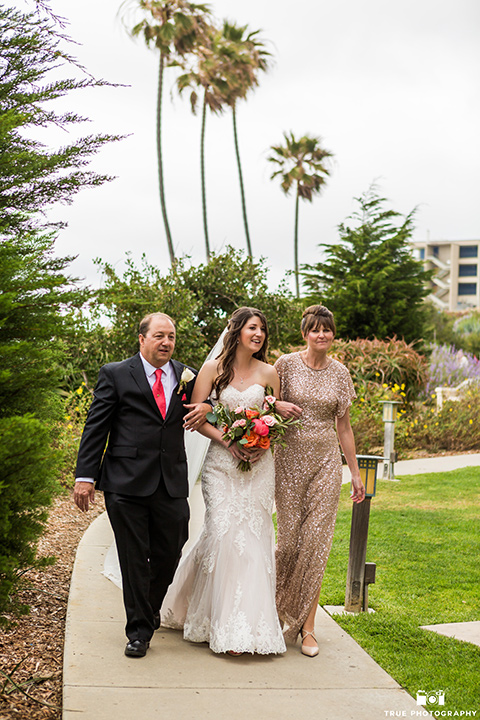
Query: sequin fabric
x,y
308,478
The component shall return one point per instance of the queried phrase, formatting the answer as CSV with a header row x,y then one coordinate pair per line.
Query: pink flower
x,y
270,399
238,411
260,428
239,423
269,420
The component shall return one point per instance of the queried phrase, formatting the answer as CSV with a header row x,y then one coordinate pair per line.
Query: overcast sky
x,y
392,88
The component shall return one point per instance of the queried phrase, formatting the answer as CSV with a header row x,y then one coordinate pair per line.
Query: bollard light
x,y
390,410
367,465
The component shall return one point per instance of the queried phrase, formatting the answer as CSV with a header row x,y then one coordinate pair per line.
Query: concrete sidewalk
x,y
178,680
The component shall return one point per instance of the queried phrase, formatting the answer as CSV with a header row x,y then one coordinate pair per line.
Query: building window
x,y
435,251
467,271
421,254
468,251
467,288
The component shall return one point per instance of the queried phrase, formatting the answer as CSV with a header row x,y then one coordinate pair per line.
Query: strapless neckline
x,y
244,389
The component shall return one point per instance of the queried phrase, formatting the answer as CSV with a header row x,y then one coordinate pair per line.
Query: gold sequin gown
x,y
308,478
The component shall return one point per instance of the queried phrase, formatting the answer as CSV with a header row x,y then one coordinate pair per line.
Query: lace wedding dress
x,y
223,592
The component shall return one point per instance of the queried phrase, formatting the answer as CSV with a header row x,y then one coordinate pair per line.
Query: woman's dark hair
x,y
227,356
315,316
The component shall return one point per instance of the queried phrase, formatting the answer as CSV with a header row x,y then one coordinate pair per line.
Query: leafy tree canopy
x,y
370,279
200,299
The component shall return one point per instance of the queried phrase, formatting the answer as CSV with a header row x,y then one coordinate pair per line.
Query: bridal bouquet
x,y
251,427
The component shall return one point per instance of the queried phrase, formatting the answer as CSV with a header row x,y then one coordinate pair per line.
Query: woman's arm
x,y
347,442
202,389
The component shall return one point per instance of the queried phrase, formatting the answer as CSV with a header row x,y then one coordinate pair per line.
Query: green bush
x,y
375,364
28,471
456,428
68,430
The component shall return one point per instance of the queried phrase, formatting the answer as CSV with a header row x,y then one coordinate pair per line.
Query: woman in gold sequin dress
x,y
308,472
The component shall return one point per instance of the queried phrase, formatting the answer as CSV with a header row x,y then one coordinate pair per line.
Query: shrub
x,y
380,363
68,430
28,469
456,428
449,367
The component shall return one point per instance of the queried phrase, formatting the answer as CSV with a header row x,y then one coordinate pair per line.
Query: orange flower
x,y
264,442
252,440
251,414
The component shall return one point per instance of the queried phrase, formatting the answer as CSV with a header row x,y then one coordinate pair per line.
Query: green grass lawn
x,y
424,537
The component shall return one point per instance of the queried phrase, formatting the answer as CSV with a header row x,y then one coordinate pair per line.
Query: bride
x,y
223,592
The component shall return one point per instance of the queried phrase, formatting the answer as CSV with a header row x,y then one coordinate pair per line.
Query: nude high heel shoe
x,y
308,650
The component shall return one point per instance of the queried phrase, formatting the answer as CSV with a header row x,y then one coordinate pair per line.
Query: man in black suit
x,y
139,408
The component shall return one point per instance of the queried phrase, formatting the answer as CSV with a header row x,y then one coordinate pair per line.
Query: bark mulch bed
x,y
31,648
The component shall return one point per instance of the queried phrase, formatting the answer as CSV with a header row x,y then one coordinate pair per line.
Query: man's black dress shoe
x,y
156,620
137,648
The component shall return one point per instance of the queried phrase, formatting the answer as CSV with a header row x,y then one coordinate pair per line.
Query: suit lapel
x,y
138,372
178,369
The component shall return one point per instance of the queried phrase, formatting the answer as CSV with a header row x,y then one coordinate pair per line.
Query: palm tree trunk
x,y
295,245
160,160
202,170
240,177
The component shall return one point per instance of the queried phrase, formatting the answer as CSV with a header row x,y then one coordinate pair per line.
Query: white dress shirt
x,y
169,381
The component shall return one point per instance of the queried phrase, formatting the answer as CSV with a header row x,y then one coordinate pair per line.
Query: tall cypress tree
x,y
370,279
34,289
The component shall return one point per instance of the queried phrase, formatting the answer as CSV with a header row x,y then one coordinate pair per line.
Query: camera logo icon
x,y
433,697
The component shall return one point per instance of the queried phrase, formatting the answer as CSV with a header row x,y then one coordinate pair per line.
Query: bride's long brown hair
x,y
226,358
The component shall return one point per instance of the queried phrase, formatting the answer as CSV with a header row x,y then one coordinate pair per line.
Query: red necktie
x,y
159,393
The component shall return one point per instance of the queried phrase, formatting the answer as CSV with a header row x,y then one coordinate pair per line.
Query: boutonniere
x,y
187,375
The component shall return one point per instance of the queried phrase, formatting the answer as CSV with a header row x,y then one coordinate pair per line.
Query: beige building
x,y
456,283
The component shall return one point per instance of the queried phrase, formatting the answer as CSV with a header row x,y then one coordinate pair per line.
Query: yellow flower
x,y
436,423
79,390
83,383
77,409
434,395
469,406
450,410
68,417
385,385
362,399
403,394
402,386
70,426
425,426
377,374
470,422
432,410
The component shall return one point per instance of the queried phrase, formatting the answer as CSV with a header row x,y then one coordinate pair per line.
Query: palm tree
x,y
209,72
252,57
225,68
302,162
174,27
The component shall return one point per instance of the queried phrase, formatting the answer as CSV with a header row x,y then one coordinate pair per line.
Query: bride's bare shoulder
x,y
268,372
210,369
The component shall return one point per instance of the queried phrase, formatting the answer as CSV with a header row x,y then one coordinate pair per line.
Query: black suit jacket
x,y
142,446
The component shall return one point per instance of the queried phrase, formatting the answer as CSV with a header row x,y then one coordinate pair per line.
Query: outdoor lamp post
x,y
359,573
389,418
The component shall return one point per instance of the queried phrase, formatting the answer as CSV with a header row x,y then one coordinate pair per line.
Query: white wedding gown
x,y
223,591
